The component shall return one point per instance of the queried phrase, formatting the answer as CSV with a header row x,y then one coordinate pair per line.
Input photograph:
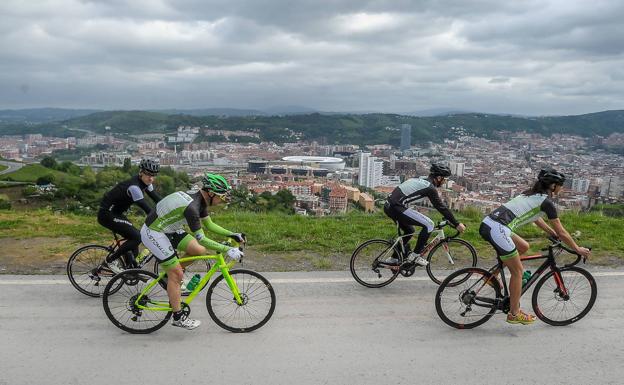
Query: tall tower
x,y
406,137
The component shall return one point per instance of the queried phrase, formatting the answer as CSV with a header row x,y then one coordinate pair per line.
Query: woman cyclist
x,y
164,229
115,203
529,207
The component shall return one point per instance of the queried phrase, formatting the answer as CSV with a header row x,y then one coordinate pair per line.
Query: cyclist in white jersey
x,y
529,207
166,222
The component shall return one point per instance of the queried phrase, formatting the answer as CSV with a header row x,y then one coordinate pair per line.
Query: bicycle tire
x,y
473,281
364,268
543,312
119,302
254,288
438,261
78,271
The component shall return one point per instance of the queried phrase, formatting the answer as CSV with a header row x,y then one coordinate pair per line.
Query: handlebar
x,y
443,224
557,243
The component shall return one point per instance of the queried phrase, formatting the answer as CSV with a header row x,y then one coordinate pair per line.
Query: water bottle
x,y
526,276
193,282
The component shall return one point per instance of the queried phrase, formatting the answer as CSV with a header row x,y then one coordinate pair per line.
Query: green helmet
x,y
215,183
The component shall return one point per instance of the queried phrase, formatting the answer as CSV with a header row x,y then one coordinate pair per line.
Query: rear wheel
x,y
258,301
368,266
121,302
467,298
84,270
448,256
567,302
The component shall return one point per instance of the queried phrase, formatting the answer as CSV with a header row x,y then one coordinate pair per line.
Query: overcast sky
x,y
525,57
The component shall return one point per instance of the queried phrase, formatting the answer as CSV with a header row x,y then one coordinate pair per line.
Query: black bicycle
x,y
370,267
469,297
88,273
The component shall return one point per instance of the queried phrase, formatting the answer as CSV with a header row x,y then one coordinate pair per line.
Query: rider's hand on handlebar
x,y
461,227
238,237
584,251
235,253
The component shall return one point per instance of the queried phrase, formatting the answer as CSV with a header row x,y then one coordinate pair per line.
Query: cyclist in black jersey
x,y
412,190
499,226
118,200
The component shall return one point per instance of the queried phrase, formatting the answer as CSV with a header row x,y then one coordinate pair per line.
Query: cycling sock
x,y
177,315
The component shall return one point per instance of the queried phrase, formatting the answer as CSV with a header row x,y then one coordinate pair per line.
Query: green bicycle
x,y
239,300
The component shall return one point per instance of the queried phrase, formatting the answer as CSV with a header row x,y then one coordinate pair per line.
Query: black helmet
x,y
150,165
549,175
439,170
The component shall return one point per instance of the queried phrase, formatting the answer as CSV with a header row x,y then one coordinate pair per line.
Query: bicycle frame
x,y
219,265
439,236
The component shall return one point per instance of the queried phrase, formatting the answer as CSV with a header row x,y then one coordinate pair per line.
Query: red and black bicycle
x,y
469,297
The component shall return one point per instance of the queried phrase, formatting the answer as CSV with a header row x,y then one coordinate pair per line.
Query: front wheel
x,y
468,297
258,301
368,265
123,299
85,272
563,298
448,256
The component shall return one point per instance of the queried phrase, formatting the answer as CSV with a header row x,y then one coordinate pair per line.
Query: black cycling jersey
x,y
119,199
418,188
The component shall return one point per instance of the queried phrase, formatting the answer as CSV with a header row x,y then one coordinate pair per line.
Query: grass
x,y
32,172
321,237
3,167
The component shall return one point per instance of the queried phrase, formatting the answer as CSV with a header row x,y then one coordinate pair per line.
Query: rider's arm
x,y
194,223
215,228
564,235
151,192
138,198
434,197
544,226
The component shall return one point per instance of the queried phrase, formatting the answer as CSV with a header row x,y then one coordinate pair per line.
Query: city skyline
x,y
529,58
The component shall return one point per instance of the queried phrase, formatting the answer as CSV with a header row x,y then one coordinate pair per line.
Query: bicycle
x,y
238,300
369,268
479,296
88,273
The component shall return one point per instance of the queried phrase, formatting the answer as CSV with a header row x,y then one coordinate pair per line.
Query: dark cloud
x,y
530,57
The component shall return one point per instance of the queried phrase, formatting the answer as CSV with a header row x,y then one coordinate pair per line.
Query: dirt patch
x,y
38,255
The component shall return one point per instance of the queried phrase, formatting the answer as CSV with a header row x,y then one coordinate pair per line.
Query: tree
x,y
88,178
166,184
127,165
45,179
49,162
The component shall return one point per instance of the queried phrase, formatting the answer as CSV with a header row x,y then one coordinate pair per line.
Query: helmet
x,y
150,165
550,175
215,183
439,170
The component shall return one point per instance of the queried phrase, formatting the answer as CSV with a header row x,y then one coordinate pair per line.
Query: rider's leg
x,y
515,282
121,225
521,244
414,218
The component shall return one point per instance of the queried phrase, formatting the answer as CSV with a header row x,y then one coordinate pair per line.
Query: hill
x,y
32,172
338,128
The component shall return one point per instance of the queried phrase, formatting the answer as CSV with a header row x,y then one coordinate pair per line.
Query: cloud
x,y
530,57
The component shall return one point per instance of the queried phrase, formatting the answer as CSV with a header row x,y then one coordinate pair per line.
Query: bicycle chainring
x,y
408,269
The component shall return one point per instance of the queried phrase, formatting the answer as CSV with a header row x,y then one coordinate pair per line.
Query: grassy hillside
x,y
31,172
298,236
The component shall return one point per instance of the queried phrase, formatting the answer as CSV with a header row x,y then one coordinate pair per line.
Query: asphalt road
x,y
326,330
12,166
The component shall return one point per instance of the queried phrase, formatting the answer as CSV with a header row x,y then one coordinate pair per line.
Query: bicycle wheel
x,y
366,267
258,301
467,298
83,270
557,308
448,256
119,299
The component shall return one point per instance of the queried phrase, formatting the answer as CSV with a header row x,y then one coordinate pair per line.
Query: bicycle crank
x,y
408,269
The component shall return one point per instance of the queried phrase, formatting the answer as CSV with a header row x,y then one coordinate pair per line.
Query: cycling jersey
x,y
524,209
415,189
119,199
176,210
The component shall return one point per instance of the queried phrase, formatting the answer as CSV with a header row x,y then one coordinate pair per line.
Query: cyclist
x,y
118,200
499,226
165,224
412,190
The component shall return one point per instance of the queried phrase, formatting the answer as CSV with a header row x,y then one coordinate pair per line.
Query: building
x,y
612,186
406,137
457,168
338,201
580,185
366,202
371,170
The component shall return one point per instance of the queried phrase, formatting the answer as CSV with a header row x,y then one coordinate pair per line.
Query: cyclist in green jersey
x,y
164,229
529,207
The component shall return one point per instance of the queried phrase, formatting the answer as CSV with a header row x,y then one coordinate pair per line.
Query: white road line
x,y
27,281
